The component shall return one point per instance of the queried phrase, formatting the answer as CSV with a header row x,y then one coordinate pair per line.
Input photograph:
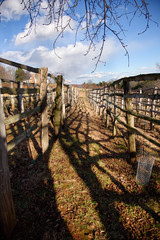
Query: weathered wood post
x,y
44,110
58,106
91,96
72,98
155,91
137,107
122,102
114,123
1,95
140,102
63,105
94,99
75,92
7,210
20,97
68,99
68,95
104,103
100,101
49,96
108,107
130,122
12,97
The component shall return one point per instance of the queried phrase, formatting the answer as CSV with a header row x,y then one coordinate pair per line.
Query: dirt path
x,y
87,188
95,186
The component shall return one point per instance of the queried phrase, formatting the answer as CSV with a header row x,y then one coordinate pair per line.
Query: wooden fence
x,y
117,102
21,101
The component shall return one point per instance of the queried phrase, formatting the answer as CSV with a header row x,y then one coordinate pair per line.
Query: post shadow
x,y
108,215
35,197
104,198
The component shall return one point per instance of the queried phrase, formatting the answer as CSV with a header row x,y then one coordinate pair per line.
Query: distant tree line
x,y
90,84
134,85
12,74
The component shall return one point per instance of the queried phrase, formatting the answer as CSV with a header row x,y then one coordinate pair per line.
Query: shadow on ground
x,y
34,196
76,138
88,147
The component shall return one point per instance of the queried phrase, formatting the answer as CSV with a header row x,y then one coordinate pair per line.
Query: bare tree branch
x,y
97,18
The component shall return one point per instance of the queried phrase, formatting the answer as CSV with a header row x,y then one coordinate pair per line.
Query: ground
x,y
85,189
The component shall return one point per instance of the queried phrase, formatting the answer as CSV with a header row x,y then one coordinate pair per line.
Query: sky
x,y
36,49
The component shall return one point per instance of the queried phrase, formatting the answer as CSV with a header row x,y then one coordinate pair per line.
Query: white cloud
x,y
42,31
97,76
11,10
148,69
73,64
14,9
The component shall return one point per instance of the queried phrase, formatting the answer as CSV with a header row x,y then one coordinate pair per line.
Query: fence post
x,y
108,105
7,210
140,103
130,122
114,123
100,102
12,97
20,98
44,110
63,104
1,95
68,99
72,100
58,106
99,113
122,101
155,91
93,99
48,96
68,95
104,102
75,94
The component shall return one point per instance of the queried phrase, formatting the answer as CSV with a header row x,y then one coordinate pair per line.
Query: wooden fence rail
x,y
15,108
116,102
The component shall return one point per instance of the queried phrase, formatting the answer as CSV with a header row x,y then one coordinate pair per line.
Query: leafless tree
x,y
95,18
5,73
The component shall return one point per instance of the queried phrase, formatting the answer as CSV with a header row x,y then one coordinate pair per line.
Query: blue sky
x,y
36,49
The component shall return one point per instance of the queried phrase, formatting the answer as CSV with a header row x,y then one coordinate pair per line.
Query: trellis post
x,y
63,104
96,101
7,210
114,123
20,98
104,101
130,122
107,114
1,95
44,110
12,97
58,105
155,91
